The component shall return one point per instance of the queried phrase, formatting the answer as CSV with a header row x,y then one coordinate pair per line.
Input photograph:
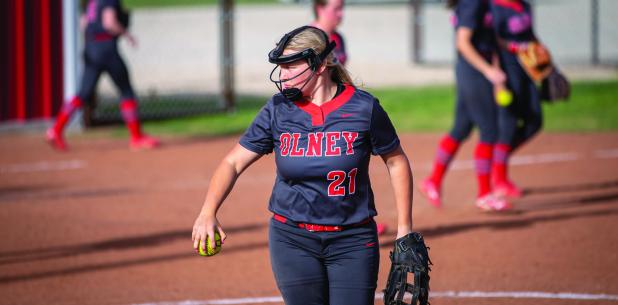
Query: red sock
x,y
500,162
65,113
128,108
446,149
482,162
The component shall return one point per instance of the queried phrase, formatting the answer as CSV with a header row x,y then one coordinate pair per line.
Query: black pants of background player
x,y
102,56
475,106
518,122
317,268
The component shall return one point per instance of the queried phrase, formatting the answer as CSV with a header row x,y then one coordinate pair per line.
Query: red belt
x,y
102,37
318,228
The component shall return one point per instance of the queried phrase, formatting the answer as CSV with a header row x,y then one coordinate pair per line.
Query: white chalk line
x,y
432,295
606,153
43,166
545,158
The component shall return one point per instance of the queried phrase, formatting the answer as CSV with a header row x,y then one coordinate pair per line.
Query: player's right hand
x,y
204,227
495,76
132,40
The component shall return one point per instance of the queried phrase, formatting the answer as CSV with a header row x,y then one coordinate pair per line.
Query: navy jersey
x,y
339,51
94,12
322,155
512,22
476,16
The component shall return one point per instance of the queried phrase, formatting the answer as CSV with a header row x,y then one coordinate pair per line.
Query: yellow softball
x,y
504,97
210,251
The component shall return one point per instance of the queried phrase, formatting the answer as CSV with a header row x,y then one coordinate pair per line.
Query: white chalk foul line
x,y
521,160
433,295
43,166
606,153
536,159
524,295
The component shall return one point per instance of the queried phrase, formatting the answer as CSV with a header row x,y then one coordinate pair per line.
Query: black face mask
x,y
292,94
314,60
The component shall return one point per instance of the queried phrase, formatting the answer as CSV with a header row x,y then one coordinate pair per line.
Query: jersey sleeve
x,y
384,138
258,137
468,13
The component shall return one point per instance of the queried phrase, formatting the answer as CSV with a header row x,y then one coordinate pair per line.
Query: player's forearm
x,y
220,186
469,53
401,180
83,22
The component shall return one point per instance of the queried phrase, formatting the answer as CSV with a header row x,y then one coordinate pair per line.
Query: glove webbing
x,y
414,289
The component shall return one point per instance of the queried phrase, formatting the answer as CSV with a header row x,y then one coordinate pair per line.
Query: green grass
x,y
213,124
133,4
593,107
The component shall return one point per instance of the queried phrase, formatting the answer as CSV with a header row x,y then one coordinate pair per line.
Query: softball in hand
x,y
210,250
504,97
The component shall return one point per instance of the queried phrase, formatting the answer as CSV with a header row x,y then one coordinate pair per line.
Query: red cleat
x,y
381,228
144,142
431,192
493,203
507,189
55,140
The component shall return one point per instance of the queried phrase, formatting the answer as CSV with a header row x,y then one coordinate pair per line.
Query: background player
x,y
476,72
328,15
512,21
104,22
323,241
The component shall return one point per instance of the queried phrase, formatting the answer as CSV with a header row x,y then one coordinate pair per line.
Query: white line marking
x,y
524,295
43,166
606,153
535,159
433,295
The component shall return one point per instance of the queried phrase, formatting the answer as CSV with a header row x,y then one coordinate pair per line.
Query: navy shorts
x,y
325,268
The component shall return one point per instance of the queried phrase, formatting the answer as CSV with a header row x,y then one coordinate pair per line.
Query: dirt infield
x,y
103,225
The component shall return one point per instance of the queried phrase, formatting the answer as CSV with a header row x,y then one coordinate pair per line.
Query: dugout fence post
x,y
594,31
226,25
417,29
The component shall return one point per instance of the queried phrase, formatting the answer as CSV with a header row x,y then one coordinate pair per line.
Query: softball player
x,y
512,21
476,71
322,130
328,15
103,27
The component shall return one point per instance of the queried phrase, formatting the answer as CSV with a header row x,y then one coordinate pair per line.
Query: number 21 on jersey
x,y
338,177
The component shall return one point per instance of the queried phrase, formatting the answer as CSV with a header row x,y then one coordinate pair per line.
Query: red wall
x,y
31,59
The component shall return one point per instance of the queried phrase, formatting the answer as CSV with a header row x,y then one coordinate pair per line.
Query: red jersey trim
x,y
514,5
319,113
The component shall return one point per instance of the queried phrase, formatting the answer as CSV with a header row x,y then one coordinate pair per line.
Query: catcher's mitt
x,y
555,87
409,256
535,60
